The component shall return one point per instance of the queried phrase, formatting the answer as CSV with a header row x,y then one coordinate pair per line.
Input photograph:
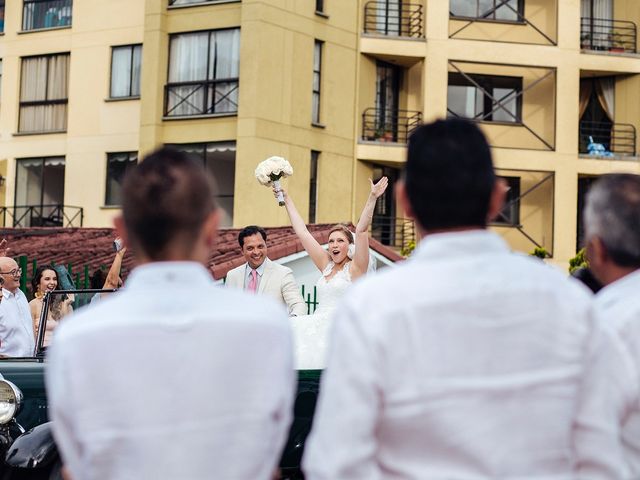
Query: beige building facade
x,y
335,86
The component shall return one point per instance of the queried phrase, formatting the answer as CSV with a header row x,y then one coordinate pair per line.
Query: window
x,y
44,94
193,2
317,67
504,10
313,186
220,159
117,166
125,71
510,214
38,14
0,78
1,16
320,6
203,73
39,192
466,99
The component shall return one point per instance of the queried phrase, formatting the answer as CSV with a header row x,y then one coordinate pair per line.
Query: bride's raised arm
x,y
361,256
313,248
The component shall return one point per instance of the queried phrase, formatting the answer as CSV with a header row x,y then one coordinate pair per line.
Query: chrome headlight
x,y
10,401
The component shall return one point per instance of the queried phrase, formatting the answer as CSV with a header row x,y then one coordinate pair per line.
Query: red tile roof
x,y
93,247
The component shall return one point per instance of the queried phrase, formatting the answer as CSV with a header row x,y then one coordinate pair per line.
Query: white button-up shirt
x,y
173,377
608,425
462,363
17,338
247,275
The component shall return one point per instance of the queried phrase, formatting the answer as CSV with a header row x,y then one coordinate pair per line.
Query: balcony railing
x,y
201,98
402,19
389,126
616,138
608,35
392,231
54,215
38,14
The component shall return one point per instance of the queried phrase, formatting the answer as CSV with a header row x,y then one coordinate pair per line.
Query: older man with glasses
x,y
16,328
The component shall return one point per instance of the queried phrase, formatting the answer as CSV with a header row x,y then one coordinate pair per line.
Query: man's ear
x,y
596,252
497,199
403,200
121,230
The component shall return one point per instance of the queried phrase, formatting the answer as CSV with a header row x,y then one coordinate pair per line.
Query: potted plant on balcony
x,y
616,42
384,133
585,41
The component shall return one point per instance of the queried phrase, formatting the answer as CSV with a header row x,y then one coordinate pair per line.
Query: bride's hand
x,y
377,189
275,192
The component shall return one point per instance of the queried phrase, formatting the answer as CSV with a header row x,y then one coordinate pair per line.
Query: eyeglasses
x,y
14,273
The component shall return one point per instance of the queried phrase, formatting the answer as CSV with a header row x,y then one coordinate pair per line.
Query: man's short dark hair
x,y
612,213
251,230
449,175
166,200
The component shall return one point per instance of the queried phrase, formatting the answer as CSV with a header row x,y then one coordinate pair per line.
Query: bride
x,y
346,260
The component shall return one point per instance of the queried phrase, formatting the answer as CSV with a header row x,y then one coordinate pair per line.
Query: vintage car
x,y
26,440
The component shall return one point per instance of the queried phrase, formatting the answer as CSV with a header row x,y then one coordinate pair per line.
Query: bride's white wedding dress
x,y
310,332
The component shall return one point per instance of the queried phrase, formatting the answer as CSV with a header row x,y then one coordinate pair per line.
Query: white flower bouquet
x,y
270,171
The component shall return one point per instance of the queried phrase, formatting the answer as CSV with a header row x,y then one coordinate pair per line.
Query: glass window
x,y
44,93
313,186
125,71
203,73
192,2
510,214
1,15
317,67
505,10
220,159
117,166
37,14
39,192
320,6
485,97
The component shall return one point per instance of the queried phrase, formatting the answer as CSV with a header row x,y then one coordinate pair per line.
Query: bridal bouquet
x,y
270,171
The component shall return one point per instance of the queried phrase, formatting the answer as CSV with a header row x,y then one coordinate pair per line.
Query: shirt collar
x,y
625,287
168,274
260,269
457,244
7,294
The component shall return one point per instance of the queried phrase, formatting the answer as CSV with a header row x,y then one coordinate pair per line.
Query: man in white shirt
x,y
608,425
261,275
16,327
463,362
173,376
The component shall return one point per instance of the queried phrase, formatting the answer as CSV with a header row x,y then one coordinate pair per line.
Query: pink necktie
x,y
253,282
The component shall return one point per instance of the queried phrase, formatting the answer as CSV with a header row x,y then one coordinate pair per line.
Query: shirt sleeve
x,y
607,395
342,443
60,398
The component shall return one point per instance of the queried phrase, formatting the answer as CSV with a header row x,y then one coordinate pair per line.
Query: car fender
x,y
33,449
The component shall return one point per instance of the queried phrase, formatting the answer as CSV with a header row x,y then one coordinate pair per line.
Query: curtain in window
x,y
187,63
388,17
44,79
137,65
602,15
120,72
605,89
224,63
586,87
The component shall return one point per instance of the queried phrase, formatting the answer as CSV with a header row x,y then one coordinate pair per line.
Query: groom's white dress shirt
x,y
462,363
608,425
172,377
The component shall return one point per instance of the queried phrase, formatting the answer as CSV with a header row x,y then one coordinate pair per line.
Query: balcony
x,y
401,19
394,232
54,215
40,14
208,97
615,36
604,139
389,126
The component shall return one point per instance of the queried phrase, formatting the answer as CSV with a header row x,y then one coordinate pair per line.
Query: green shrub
x,y
540,252
408,249
579,261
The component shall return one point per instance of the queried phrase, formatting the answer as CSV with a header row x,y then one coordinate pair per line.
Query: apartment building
x,y
336,86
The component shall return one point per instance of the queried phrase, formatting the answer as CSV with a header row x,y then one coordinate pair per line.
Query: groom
x,y
261,275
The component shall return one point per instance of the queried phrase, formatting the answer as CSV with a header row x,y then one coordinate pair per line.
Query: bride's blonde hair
x,y
342,228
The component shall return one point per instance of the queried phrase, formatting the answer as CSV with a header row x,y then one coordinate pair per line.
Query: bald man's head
x,y
10,272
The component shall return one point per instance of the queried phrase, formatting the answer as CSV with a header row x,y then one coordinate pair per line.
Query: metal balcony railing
x,y
608,35
616,138
201,97
401,19
54,215
38,14
389,125
392,231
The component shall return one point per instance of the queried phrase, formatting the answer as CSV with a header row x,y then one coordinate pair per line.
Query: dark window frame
x,y
316,95
320,6
2,15
132,46
208,82
488,83
133,158
35,103
42,179
510,214
25,27
492,17
313,185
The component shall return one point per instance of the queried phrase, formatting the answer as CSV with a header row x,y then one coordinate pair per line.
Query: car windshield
x,y
58,304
